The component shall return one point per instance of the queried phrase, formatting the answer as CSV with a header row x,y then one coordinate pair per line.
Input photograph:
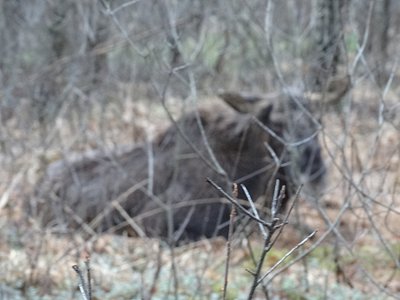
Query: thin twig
x,y
88,277
229,242
286,256
81,282
254,209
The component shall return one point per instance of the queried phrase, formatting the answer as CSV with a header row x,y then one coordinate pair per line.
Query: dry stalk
x,y
229,241
85,286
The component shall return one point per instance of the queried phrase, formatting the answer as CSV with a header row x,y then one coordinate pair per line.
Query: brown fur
x,y
176,202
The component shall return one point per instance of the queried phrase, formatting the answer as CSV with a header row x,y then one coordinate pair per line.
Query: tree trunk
x,y
329,38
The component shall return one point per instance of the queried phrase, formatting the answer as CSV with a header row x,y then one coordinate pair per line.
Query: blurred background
x,y
80,75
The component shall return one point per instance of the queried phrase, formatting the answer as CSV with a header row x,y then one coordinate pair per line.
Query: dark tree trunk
x,y
329,39
378,41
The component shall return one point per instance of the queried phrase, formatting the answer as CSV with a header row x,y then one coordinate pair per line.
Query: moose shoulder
x,y
159,188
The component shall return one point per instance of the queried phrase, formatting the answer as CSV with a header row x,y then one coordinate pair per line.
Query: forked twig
x,y
286,256
85,286
267,239
237,204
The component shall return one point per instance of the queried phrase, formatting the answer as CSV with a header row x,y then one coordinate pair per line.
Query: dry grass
x,y
358,258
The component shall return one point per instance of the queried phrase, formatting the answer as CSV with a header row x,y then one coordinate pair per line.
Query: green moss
x,y
352,42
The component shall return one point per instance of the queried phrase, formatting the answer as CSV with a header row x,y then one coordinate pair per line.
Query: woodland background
x,y
80,75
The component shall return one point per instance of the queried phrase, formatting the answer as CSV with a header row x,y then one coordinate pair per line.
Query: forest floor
x,y
358,238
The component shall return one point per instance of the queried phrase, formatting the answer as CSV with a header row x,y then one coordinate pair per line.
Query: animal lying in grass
x,y
159,189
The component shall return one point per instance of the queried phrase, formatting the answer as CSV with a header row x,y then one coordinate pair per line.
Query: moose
x,y
159,188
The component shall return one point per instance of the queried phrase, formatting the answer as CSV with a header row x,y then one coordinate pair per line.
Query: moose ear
x,y
265,113
240,102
